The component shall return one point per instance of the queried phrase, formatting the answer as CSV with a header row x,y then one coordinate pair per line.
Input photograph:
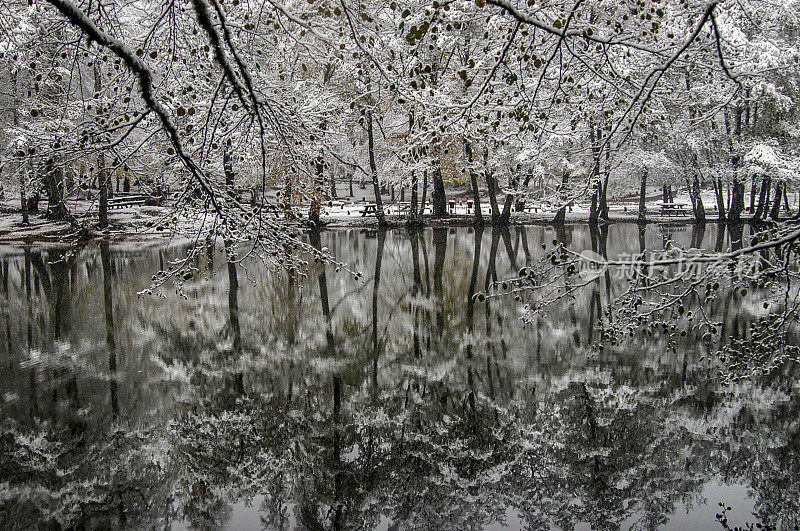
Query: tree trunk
x,y
505,215
52,177
373,168
491,184
424,199
439,199
720,197
737,201
23,200
762,198
102,214
316,201
786,197
561,215
492,187
752,194
227,167
776,205
103,201
643,198
603,206
413,216
473,180
604,191
698,209
594,212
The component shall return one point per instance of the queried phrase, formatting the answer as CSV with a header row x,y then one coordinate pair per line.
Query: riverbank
x,y
144,223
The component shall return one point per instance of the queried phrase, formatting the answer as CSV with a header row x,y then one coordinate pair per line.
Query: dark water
x,y
321,402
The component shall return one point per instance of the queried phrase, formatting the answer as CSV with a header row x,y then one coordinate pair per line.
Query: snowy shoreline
x,y
131,226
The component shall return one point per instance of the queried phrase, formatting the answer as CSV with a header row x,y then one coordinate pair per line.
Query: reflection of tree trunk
x,y
337,453
5,265
28,295
61,300
105,257
595,311
476,258
644,270
233,305
736,231
417,289
29,298
491,275
642,240
698,233
562,236
376,285
720,238
322,279
525,249
512,256
439,250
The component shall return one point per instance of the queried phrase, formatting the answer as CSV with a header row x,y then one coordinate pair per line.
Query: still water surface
x,y
260,400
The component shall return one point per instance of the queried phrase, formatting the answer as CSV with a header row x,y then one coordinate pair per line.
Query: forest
x,y
226,105
418,263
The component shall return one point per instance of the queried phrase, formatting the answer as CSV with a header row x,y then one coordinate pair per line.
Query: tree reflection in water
x,y
325,401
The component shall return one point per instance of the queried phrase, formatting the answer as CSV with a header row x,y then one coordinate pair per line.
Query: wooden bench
x,y
369,208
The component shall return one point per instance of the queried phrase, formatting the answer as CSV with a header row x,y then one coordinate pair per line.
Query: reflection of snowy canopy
x,y
766,159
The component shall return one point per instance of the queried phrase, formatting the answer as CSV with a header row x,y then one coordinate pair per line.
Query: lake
x,y
255,398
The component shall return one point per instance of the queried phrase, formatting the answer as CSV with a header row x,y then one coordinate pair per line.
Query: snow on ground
x,y
137,222
157,223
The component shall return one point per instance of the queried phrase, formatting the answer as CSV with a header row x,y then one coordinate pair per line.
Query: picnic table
x,y
667,209
127,200
369,208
